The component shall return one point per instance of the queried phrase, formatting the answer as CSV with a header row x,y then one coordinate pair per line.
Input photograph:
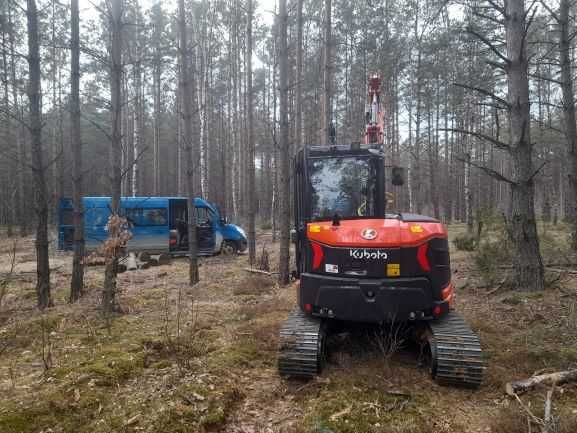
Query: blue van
x,y
158,225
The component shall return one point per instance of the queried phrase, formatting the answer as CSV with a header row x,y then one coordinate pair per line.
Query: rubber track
x,y
301,346
456,349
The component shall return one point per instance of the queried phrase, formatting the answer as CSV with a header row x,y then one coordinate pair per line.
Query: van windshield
x,y
343,186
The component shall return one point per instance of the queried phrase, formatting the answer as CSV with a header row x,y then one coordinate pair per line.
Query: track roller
x,y
456,355
302,346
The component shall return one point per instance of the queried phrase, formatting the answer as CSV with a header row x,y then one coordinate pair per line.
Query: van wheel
x,y
229,248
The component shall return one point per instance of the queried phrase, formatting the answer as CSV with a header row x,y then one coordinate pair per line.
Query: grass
x,y
345,407
105,376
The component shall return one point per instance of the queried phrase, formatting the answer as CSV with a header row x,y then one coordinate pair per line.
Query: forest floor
x,y
166,364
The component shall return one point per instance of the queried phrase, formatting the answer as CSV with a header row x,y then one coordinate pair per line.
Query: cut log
x,y
164,259
131,264
144,256
559,378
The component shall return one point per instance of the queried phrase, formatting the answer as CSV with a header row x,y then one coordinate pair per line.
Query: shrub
x,y
465,242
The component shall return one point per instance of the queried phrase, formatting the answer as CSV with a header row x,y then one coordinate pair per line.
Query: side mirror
x,y
398,176
224,221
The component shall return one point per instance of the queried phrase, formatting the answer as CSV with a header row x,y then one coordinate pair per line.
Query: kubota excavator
x,y
357,263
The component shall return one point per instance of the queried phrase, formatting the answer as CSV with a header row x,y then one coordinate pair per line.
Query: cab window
x,y
203,217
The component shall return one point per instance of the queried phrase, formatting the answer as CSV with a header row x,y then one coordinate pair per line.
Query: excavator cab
x,y
356,262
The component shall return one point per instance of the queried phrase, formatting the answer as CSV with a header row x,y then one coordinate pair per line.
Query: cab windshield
x,y
346,187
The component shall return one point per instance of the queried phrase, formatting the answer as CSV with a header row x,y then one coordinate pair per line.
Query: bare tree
x,y
326,95
299,78
284,151
116,68
187,104
77,281
38,167
250,139
568,106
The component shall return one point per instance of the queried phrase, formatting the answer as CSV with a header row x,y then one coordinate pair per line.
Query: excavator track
x,y
301,346
456,355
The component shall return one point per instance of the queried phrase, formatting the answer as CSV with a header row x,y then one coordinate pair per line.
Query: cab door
x,y
205,231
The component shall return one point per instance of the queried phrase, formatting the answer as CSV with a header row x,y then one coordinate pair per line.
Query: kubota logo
x,y
369,234
368,254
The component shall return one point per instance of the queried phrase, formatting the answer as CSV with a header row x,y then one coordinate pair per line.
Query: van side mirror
x,y
398,176
224,221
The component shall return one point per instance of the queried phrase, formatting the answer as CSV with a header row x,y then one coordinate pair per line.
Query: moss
x,y
67,411
109,367
342,410
242,354
113,367
178,419
210,413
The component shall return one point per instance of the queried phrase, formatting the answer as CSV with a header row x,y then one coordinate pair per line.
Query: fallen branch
x,y
562,271
558,378
258,271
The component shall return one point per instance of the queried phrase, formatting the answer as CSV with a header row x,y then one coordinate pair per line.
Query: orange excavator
x,y
358,263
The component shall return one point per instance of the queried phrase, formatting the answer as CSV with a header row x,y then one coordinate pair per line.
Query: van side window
x,y
139,217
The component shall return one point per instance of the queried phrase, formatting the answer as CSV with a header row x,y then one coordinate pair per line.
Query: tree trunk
x,y
116,66
250,139
568,109
39,170
284,193
21,156
77,281
326,99
156,139
299,78
12,173
521,220
187,105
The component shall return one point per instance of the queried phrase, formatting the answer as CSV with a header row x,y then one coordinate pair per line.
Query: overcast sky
x,y
264,8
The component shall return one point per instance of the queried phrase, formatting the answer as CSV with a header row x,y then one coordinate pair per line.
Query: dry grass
x,y
219,375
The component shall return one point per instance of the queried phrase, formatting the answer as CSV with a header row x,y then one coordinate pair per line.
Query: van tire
x,y
229,248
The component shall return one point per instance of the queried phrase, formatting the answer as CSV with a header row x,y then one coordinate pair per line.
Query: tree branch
x,y
497,143
540,77
491,95
537,171
489,44
489,171
551,12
